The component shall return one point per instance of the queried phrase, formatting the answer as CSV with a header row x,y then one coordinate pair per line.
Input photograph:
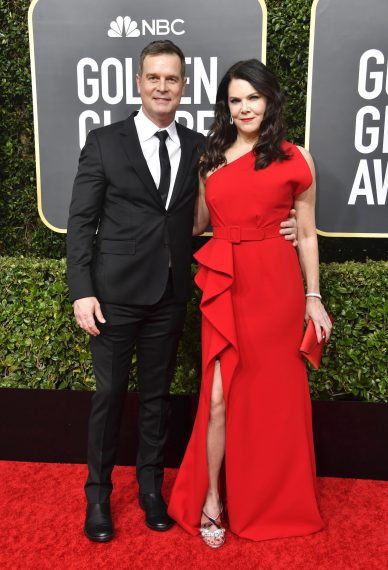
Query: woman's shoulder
x,y
297,151
300,165
289,146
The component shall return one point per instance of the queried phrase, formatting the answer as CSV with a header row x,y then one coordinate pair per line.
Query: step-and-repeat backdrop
x,y
347,115
84,56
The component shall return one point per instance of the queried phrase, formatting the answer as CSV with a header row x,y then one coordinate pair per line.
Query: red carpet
x,y
42,510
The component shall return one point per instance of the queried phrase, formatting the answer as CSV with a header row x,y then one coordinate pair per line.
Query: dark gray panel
x,y
66,32
344,31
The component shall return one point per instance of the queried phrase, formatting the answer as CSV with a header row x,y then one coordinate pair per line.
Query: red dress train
x,y
252,319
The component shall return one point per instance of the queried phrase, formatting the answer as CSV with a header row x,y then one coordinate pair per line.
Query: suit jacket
x,y
114,194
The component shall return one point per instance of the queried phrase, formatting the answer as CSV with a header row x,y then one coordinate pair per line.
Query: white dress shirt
x,y
146,130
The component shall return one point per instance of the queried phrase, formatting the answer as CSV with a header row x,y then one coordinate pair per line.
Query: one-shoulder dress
x,y
252,320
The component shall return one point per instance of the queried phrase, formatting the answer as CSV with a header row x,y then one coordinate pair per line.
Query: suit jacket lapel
x,y
135,155
184,163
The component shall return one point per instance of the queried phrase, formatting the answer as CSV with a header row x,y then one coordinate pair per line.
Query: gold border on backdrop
x,y
263,6
308,123
36,124
310,74
264,22
263,30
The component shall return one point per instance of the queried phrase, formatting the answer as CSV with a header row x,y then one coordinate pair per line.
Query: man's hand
x,y
289,228
84,311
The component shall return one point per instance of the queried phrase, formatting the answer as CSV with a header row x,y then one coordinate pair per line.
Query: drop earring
x,y
231,120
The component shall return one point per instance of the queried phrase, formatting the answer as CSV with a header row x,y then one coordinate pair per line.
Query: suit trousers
x,y
154,331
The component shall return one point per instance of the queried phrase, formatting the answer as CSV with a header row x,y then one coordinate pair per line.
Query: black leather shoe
x,y
156,511
98,522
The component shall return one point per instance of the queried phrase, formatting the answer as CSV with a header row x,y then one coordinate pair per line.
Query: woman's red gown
x,y
252,319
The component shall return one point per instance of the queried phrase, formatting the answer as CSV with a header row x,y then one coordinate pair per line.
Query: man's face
x,y
161,87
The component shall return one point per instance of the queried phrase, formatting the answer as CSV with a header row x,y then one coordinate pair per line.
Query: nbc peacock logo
x,y
128,28
123,28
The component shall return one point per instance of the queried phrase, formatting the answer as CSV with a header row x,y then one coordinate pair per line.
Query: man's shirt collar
x,y
146,129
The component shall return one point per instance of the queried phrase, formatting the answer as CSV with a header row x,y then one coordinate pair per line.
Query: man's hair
x,y
160,47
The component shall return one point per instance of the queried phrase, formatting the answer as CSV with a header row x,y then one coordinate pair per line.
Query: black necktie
x,y
165,166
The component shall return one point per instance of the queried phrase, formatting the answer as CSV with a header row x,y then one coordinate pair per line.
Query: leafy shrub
x,y
42,347
21,231
355,361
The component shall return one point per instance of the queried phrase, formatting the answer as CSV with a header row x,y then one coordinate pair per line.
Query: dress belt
x,y
236,234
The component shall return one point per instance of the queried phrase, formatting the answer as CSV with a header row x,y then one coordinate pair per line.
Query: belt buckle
x,y
234,234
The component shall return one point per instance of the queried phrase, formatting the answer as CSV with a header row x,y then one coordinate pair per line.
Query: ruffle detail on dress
x,y
215,278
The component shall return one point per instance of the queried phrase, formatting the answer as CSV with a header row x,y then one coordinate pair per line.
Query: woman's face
x,y
247,106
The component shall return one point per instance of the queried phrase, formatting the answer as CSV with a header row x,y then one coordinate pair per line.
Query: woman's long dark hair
x,y
222,134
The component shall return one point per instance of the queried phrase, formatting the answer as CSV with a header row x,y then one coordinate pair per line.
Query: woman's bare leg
x,y
215,445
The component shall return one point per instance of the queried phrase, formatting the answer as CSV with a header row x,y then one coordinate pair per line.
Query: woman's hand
x,y
201,213
317,313
289,228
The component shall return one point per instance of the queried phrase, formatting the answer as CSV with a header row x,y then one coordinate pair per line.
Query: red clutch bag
x,y
310,347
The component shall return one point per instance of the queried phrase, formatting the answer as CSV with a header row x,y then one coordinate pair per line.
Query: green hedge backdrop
x,y
39,344
42,347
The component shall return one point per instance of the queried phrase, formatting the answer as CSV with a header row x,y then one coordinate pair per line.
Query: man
x,y
136,187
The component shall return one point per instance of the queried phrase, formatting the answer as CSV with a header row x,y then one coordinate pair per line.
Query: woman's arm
x,y
201,213
308,253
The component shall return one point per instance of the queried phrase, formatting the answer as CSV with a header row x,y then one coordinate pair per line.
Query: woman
x,y
254,408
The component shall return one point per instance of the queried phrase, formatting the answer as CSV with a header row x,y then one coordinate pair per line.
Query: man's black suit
x,y
138,267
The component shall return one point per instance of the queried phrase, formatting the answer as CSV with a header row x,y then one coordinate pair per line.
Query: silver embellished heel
x,y
213,538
